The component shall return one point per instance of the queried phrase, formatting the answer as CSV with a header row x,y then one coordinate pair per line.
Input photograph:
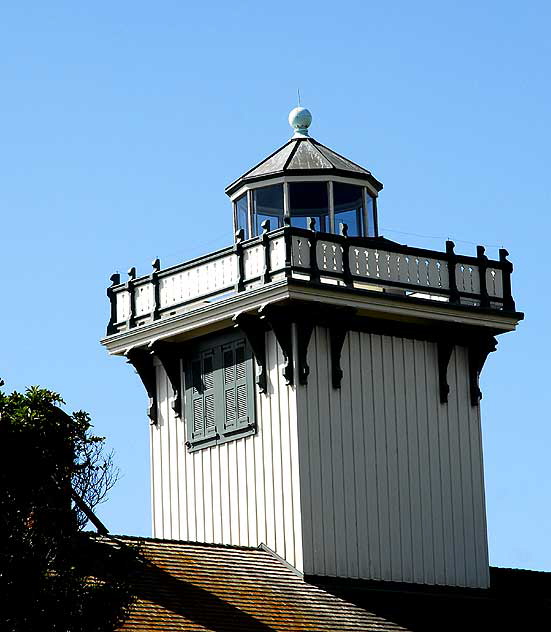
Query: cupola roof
x,y
303,156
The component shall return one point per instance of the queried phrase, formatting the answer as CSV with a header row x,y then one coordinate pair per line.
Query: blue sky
x,y
122,123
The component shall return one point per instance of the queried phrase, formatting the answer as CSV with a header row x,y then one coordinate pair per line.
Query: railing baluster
x,y
238,249
266,246
506,270
131,322
452,262
482,267
155,312
347,275
115,280
288,239
313,240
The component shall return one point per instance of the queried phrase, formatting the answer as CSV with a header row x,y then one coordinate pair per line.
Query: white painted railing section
x,y
123,306
373,263
198,281
277,253
494,282
467,278
253,261
301,252
143,295
329,256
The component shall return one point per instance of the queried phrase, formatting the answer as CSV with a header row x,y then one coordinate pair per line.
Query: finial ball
x,y
300,119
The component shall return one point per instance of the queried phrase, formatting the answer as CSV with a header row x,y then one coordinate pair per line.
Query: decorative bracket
x,y
478,352
445,349
167,356
255,331
304,333
142,360
337,334
282,326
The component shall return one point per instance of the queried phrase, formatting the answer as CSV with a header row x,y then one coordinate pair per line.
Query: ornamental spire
x,y
300,120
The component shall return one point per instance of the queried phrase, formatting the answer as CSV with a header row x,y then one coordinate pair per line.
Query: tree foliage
x,y
45,559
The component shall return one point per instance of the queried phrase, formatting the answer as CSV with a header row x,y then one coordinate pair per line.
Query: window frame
x,y
216,346
370,225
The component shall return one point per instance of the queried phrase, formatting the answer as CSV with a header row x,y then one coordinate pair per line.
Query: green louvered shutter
x,y
237,387
201,408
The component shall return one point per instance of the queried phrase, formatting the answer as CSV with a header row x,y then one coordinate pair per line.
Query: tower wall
x,y
391,479
244,492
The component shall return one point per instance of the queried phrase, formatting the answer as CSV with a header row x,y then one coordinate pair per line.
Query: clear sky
x,y
122,122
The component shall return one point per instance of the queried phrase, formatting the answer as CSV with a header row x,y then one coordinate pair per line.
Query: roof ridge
x,y
340,156
292,152
261,162
140,538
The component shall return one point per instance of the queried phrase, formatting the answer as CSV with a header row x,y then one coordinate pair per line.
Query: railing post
x,y
452,262
347,275
288,239
482,267
238,249
111,295
506,271
313,239
131,322
266,277
155,312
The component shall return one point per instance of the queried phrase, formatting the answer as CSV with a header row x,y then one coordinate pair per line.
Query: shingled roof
x,y
189,586
304,157
192,586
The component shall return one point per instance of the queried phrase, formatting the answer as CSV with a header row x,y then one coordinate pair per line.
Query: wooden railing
x,y
358,263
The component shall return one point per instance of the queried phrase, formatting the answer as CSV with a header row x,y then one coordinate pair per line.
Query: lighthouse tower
x,y
314,387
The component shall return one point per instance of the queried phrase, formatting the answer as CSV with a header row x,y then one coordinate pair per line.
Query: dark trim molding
x,y
254,329
169,356
478,352
305,327
337,335
279,320
142,360
445,348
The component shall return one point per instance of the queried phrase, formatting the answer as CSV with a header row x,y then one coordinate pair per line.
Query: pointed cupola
x,y
310,184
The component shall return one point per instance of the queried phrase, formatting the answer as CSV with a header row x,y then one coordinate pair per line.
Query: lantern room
x,y
310,184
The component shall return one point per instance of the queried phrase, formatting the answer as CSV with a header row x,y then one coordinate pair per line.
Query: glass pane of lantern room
x,y
242,212
309,199
347,199
268,204
371,223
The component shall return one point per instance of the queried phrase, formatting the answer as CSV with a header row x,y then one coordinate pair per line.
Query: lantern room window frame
x,y
369,217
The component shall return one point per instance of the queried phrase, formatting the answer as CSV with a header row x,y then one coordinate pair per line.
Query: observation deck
x,y
370,274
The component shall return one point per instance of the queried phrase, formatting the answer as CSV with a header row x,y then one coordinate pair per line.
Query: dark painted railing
x,y
357,263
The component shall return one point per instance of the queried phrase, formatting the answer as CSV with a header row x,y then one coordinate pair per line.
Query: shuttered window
x,y
219,392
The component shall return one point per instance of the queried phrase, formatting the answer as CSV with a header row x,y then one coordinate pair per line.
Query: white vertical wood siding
x,y
391,479
243,492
